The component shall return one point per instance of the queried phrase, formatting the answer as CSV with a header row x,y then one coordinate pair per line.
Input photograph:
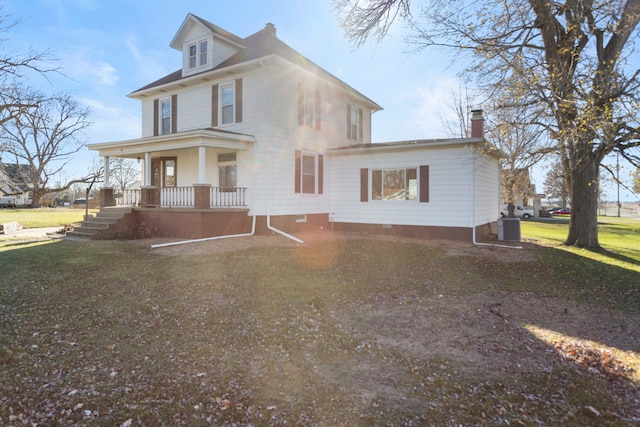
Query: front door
x,y
164,172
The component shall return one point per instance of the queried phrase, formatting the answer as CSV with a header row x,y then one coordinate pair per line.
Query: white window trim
x,y
161,117
197,58
232,85
315,173
405,169
359,112
309,98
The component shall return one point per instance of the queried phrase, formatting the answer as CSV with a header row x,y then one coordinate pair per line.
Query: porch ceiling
x,y
196,138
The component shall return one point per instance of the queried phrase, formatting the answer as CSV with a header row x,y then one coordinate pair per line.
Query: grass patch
x,y
358,332
619,238
43,217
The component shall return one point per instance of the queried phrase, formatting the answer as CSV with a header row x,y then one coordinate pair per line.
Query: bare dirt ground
x,y
401,340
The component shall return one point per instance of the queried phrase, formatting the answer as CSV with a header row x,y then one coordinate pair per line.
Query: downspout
x,y
473,208
206,239
269,226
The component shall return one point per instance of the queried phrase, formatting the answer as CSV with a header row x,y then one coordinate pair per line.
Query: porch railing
x,y
178,197
184,197
128,198
228,196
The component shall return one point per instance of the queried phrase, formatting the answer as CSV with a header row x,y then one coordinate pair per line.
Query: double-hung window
x,y
308,175
394,184
309,113
227,102
354,122
198,54
202,53
227,171
165,116
308,172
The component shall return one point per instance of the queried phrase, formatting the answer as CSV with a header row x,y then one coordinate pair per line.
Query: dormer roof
x,y
192,20
251,49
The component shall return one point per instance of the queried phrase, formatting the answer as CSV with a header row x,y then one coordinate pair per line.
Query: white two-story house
x,y
250,136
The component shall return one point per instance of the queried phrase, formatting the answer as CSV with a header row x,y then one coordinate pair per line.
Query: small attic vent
x,y
509,229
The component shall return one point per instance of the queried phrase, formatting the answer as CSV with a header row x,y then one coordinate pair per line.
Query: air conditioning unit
x,y
509,229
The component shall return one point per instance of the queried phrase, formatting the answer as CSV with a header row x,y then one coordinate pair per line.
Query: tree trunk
x,y
583,225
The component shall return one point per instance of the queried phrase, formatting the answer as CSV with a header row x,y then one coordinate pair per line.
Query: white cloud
x,y
112,121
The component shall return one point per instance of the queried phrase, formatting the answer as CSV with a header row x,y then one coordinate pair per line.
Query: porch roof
x,y
207,137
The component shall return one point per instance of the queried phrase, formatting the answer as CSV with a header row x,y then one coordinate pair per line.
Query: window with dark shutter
x,y
174,113
238,100
424,184
300,104
320,174
318,110
297,170
364,185
156,117
214,106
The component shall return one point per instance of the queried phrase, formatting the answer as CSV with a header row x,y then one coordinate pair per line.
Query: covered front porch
x,y
199,169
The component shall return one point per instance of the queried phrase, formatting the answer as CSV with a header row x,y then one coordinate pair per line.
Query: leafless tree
x,y
43,137
572,56
13,67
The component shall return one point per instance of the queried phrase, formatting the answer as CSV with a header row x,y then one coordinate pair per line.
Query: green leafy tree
x,y
571,56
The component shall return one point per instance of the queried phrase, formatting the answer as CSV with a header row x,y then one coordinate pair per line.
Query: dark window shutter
x,y
174,113
156,124
348,121
300,104
360,124
364,185
298,170
238,100
214,106
320,173
424,183
318,110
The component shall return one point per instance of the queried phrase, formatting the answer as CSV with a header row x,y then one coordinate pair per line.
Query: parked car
x,y
8,202
518,210
561,211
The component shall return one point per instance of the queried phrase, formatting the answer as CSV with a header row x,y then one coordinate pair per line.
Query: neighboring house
x,y
14,182
249,135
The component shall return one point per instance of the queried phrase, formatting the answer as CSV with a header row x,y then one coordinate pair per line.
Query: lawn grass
x,y
354,332
619,238
44,217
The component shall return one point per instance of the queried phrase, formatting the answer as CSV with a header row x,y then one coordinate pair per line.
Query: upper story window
x,y
203,53
165,116
354,122
198,54
227,102
309,113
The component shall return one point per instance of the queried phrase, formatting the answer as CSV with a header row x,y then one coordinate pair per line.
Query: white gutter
x,y
269,226
473,209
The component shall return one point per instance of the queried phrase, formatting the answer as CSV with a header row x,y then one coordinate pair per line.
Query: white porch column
x,y
106,171
202,165
147,170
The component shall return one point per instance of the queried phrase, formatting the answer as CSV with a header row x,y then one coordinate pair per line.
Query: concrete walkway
x,y
28,233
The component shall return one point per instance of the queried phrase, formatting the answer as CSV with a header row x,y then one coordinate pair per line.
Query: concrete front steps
x,y
99,223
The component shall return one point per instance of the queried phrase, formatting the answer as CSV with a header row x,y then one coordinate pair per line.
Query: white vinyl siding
x,y
449,188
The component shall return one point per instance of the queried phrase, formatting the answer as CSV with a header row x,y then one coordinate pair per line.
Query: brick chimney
x,y
477,124
271,29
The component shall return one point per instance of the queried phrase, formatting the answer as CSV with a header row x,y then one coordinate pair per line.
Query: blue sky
x,y
107,49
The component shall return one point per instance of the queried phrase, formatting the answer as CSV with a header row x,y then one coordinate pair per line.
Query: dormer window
x,y
198,54
203,53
